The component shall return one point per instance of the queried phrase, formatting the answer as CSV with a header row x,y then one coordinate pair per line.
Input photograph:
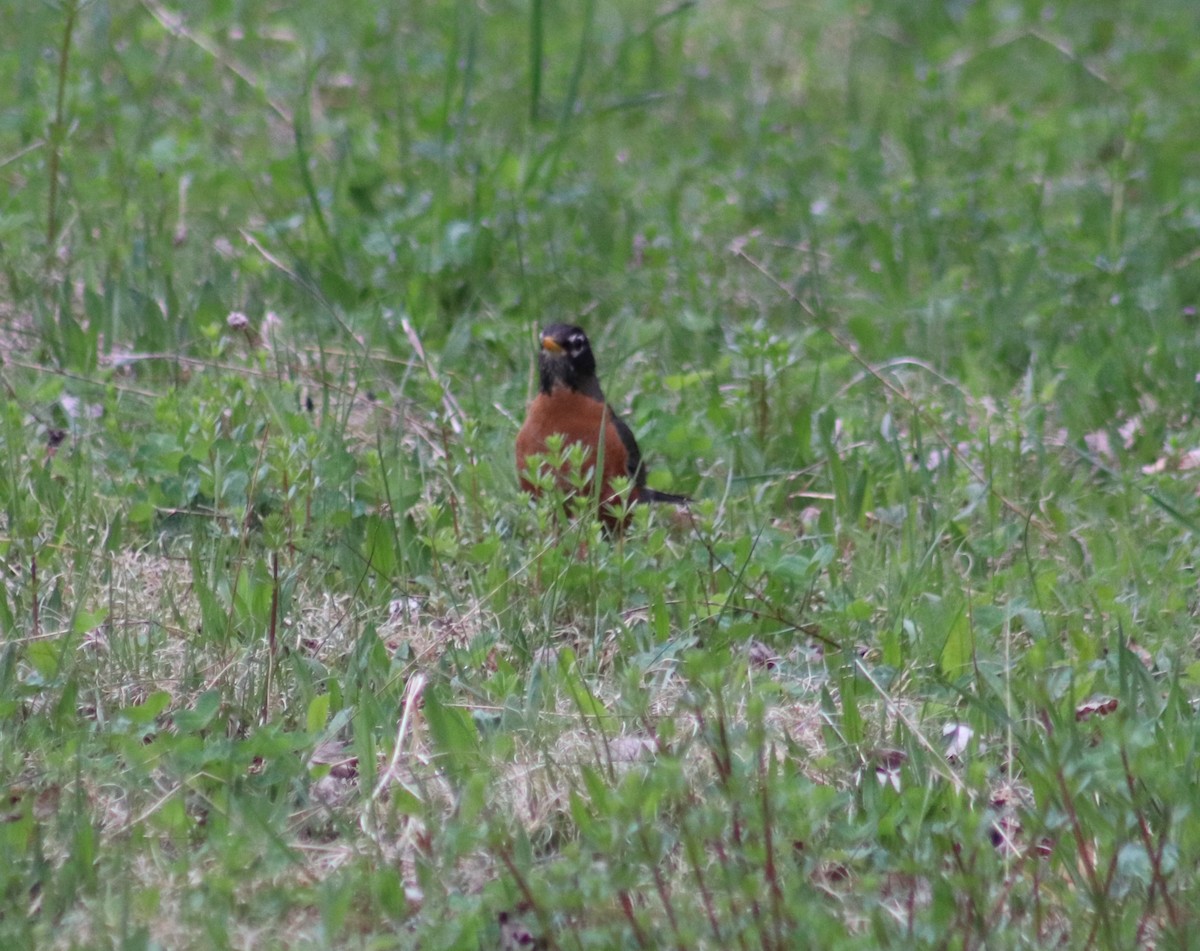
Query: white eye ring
x,y
577,342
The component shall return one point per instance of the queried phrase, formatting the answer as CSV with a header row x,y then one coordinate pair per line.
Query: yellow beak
x,y
549,343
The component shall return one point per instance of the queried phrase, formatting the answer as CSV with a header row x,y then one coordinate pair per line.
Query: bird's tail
x,y
653,495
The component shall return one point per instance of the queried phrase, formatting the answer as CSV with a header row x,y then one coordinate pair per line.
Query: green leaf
x,y
318,714
146,712
200,715
45,657
454,736
958,652
584,700
852,722
86,621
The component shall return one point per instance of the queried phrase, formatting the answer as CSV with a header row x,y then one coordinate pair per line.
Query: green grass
x,y
905,294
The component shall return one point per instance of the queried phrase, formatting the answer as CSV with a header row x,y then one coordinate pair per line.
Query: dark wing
x,y
637,471
633,457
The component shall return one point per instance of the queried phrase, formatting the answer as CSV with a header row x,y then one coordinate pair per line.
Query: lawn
x,y
903,294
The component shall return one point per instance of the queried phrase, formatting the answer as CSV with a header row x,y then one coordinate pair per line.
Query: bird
x,y
571,404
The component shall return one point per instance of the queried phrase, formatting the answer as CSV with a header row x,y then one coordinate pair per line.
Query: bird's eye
x,y
577,343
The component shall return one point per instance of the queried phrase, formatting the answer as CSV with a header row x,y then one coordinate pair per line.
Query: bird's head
x,y
566,358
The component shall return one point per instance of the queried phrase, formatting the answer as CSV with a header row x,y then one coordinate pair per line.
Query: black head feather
x,y
566,359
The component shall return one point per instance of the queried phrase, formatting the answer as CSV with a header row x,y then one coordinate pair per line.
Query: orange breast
x,y
579,419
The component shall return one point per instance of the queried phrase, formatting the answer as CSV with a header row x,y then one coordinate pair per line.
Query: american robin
x,y
571,404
